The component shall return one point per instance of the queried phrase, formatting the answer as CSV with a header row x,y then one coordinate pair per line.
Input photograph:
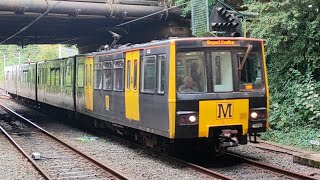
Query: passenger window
x,y
161,74
62,73
52,76
57,79
44,74
98,76
80,75
107,75
68,74
148,74
118,75
49,76
86,72
128,74
135,69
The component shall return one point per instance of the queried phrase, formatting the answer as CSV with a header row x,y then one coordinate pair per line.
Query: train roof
x,y
168,41
154,43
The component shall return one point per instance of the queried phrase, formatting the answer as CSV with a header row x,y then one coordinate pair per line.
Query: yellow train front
x,y
209,91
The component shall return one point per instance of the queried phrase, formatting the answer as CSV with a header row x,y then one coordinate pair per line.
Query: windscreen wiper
x,y
249,49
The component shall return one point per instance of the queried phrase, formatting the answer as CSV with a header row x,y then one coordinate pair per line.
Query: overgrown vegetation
x,y
291,30
292,33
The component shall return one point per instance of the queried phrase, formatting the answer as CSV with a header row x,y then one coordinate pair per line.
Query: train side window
x,y
118,75
39,76
161,73
86,76
80,75
62,73
98,75
148,74
128,74
68,74
28,75
57,77
135,69
44,75
52,76
48,75
107,75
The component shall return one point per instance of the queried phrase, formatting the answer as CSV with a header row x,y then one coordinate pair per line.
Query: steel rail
x,y
272,168
193,166
34,164
200,168
114,173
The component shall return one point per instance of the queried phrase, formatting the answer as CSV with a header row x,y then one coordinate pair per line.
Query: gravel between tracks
x,y
135,163
13,165
278,159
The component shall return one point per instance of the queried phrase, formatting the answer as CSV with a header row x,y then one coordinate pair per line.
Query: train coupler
x,y
254,135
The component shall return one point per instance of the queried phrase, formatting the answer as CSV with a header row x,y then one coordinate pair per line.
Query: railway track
x,y
270,168
211,173
58,160
249,166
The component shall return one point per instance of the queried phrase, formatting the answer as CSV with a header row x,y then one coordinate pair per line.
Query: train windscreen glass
x,y
226,69
250,70
191,72
221,62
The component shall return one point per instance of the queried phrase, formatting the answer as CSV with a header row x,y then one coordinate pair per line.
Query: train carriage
x,y
56,83
192,88
10,82
208,91
26,80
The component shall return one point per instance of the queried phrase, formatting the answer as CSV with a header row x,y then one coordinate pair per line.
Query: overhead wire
x,y
49,8
152,14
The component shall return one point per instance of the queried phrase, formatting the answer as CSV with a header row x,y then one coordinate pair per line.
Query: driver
x,y
188,85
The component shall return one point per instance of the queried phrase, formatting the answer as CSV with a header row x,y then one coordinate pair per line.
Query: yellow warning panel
x,y
223,113
89,83
107,100
132,76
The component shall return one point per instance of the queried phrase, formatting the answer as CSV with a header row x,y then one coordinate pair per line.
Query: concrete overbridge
x,y
87,22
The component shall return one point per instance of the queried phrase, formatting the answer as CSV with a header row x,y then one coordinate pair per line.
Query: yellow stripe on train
x,y
217,113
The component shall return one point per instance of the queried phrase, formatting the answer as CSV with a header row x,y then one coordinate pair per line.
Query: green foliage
x,y
291,30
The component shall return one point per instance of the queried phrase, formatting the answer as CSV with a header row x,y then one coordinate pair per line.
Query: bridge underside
x,y
86,23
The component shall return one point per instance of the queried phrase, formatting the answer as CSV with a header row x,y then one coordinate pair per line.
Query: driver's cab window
x,y
191,72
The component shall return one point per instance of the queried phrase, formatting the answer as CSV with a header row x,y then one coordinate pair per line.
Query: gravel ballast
x,y
13,165
132,161
138,164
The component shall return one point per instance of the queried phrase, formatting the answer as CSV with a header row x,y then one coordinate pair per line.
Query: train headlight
x,y
187,117
192,118
254,115
258,114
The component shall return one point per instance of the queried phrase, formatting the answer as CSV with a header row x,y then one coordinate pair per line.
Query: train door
x,y
89,83
132,85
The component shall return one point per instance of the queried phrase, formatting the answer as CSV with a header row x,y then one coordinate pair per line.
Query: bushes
x,y
292,34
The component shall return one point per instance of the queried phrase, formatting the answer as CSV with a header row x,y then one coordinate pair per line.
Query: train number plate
x,y
257,125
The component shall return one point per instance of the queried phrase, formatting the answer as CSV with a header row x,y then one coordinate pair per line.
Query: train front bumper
x,y
220,114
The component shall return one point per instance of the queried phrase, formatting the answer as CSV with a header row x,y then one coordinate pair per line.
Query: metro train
x,y
206,92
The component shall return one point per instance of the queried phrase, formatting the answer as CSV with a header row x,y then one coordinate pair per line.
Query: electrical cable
x,y
152,14
49,8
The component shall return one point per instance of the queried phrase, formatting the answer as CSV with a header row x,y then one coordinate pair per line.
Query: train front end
x,y
221,90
